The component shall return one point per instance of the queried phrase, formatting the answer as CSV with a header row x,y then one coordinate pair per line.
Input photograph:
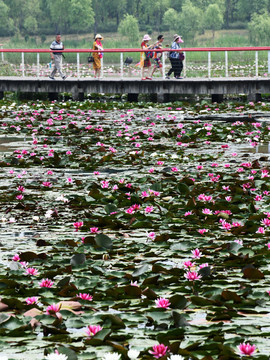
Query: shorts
x,y
147,63
157,63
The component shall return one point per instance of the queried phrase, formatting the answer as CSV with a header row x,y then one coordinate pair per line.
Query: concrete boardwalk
x,y
204,86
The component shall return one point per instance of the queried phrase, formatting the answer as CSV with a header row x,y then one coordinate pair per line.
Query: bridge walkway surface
x,y
217,87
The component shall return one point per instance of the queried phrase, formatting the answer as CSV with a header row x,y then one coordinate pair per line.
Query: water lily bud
x,y
105,256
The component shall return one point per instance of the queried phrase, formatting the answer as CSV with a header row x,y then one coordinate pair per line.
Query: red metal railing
x,y
138,50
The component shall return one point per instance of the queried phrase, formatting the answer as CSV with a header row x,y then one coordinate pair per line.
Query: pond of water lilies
x,y
134,233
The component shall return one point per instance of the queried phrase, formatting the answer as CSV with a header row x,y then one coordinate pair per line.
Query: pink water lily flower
x,y
188,264
46,283
47,184
159,350
31,271
85,296
162,303
31,300
91,330
78,225
246,349
202,231
53,309
192,276
196,254
151,235
94,230
16,257
148,209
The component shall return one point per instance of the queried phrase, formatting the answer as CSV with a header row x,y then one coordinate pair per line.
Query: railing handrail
x,y
210,49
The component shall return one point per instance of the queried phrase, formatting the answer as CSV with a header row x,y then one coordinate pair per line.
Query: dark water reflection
x,y
10,143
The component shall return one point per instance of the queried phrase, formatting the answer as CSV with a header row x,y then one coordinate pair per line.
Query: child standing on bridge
x,y
57,57
158,55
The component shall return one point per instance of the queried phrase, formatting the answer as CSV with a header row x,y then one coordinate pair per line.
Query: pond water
x,y
160,215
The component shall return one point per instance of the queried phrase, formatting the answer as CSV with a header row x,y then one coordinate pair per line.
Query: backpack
x,y
149,54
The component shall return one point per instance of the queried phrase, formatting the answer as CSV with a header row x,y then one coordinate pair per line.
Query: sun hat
x,y
98,36
175,37
146,37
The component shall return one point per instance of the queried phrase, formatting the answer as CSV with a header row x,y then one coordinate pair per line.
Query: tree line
x,y
129,17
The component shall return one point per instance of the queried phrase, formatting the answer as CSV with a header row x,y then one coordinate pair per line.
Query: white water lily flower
x,y
133,354
176,357
48,214
56,356
111,356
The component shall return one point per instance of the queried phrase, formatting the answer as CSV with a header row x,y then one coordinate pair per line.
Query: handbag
x,y
181,56
90,59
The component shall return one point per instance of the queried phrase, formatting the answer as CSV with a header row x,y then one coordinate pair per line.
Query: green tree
x,y
30,25
213,19
171,19
81,15
129,27
117,9
189,21
247,8
60,14
21,9
259,28
152,12
6,23
230,11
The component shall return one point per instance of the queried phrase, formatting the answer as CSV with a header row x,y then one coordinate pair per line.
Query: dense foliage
x,y
39,17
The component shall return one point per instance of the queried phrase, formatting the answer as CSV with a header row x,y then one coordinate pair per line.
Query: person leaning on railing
x,y
57,57
176,58
97,55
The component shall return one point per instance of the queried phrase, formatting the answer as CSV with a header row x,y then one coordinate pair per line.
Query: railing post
x,y
121,66
226,64
185,62
78,65
23,69
268,62
163,65
38,65
209,64
101,75
256,63
2,54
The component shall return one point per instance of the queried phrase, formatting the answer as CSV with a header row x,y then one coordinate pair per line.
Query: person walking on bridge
x,y
158,55
176,58
57,57
145,62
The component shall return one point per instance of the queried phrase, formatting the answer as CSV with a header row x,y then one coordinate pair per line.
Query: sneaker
x,y
178,77
52,78
167,77
64,77
143,78
148,78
